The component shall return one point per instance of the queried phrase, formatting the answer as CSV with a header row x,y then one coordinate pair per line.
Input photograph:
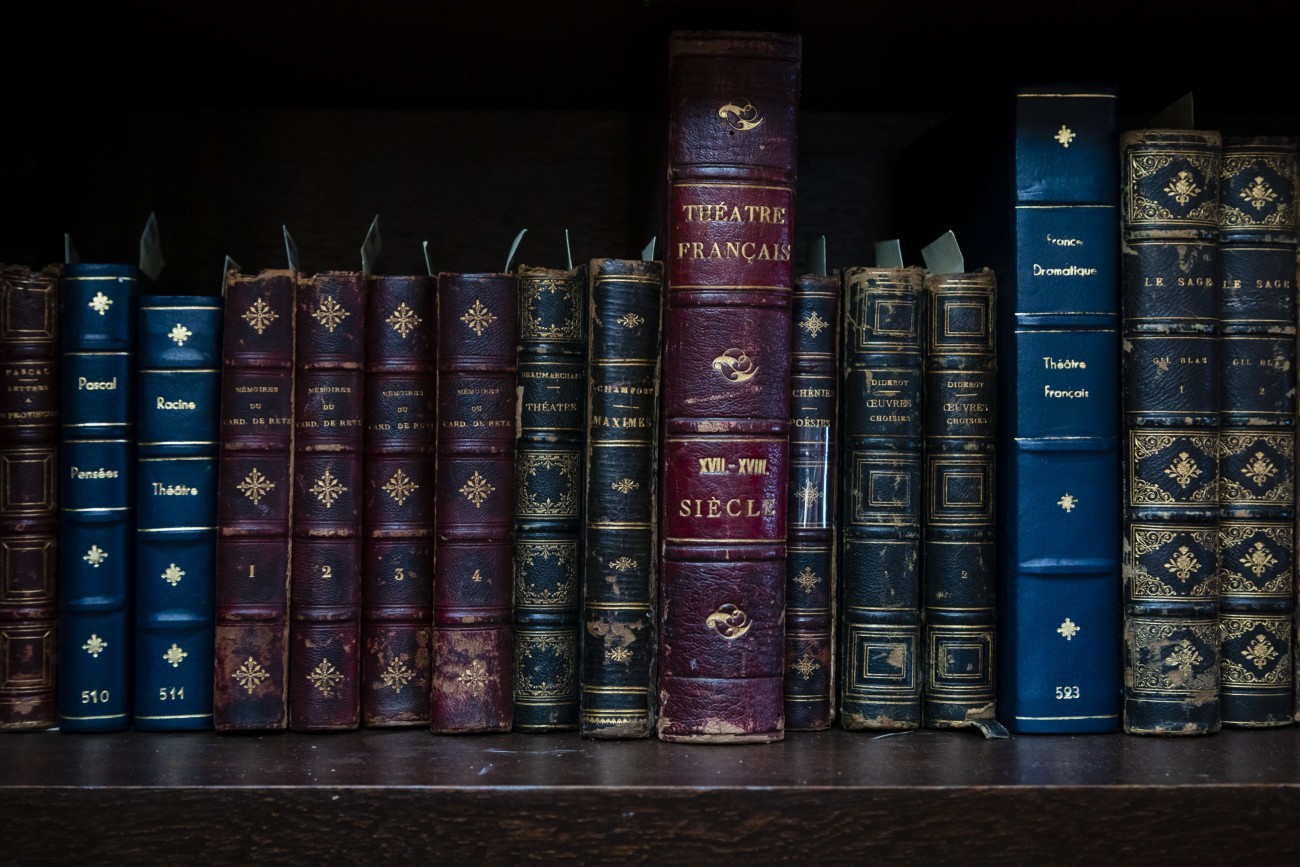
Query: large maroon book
x,y
397,554
726,385
474,567
29,513
254,494
325,601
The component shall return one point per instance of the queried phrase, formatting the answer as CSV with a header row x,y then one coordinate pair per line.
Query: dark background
x,y
460,123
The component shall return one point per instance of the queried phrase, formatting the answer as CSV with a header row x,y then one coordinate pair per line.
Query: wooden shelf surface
x,y
380,795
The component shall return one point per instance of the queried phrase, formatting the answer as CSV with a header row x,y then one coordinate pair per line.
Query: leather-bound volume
x,y
733,105
618,592
254,495
1171,374
29,516
810,566
881,516
325,594
1257,313
548,496
474,557
97,496
958,543
179,390
1059,490
397,553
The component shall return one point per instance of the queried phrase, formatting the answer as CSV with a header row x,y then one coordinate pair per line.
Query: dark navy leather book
x,y
179,390
1171,375
810,563
958,538
548,499
619,592
1059,487
1257,238
96,508
881,526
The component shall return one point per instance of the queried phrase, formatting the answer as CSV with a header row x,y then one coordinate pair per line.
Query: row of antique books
x,y
466,502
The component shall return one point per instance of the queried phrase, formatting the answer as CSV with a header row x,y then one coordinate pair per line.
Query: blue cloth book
x,y
179,390
96,526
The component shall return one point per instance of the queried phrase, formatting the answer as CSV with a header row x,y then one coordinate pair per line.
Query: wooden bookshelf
x,y
460,123
392,796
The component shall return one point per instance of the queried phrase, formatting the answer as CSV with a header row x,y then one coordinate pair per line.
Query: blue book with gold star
x,y
179,389
96,503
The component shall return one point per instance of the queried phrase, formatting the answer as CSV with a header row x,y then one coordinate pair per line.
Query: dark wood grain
x,y
838,795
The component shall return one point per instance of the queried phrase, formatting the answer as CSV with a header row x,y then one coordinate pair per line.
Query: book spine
x,y
881,519
734,98
958,547
255,486
618,646
810,565
474,558
548,497
1059,498
179,389
397,554
1171,372
1257,236
325,597
96,514
29,507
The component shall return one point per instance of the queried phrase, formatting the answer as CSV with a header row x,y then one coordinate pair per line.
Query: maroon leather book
x,y
254,494
397,553
325,601
726,386
29,514
474,567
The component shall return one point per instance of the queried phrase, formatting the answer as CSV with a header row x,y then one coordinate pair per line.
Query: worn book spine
x,y
179,388
325,596
397,554
255,487
475,489
1171,373
29,506
884,320
618,591
97,496
733,104
810,565
1059,492
1257,313
548,496
958,547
